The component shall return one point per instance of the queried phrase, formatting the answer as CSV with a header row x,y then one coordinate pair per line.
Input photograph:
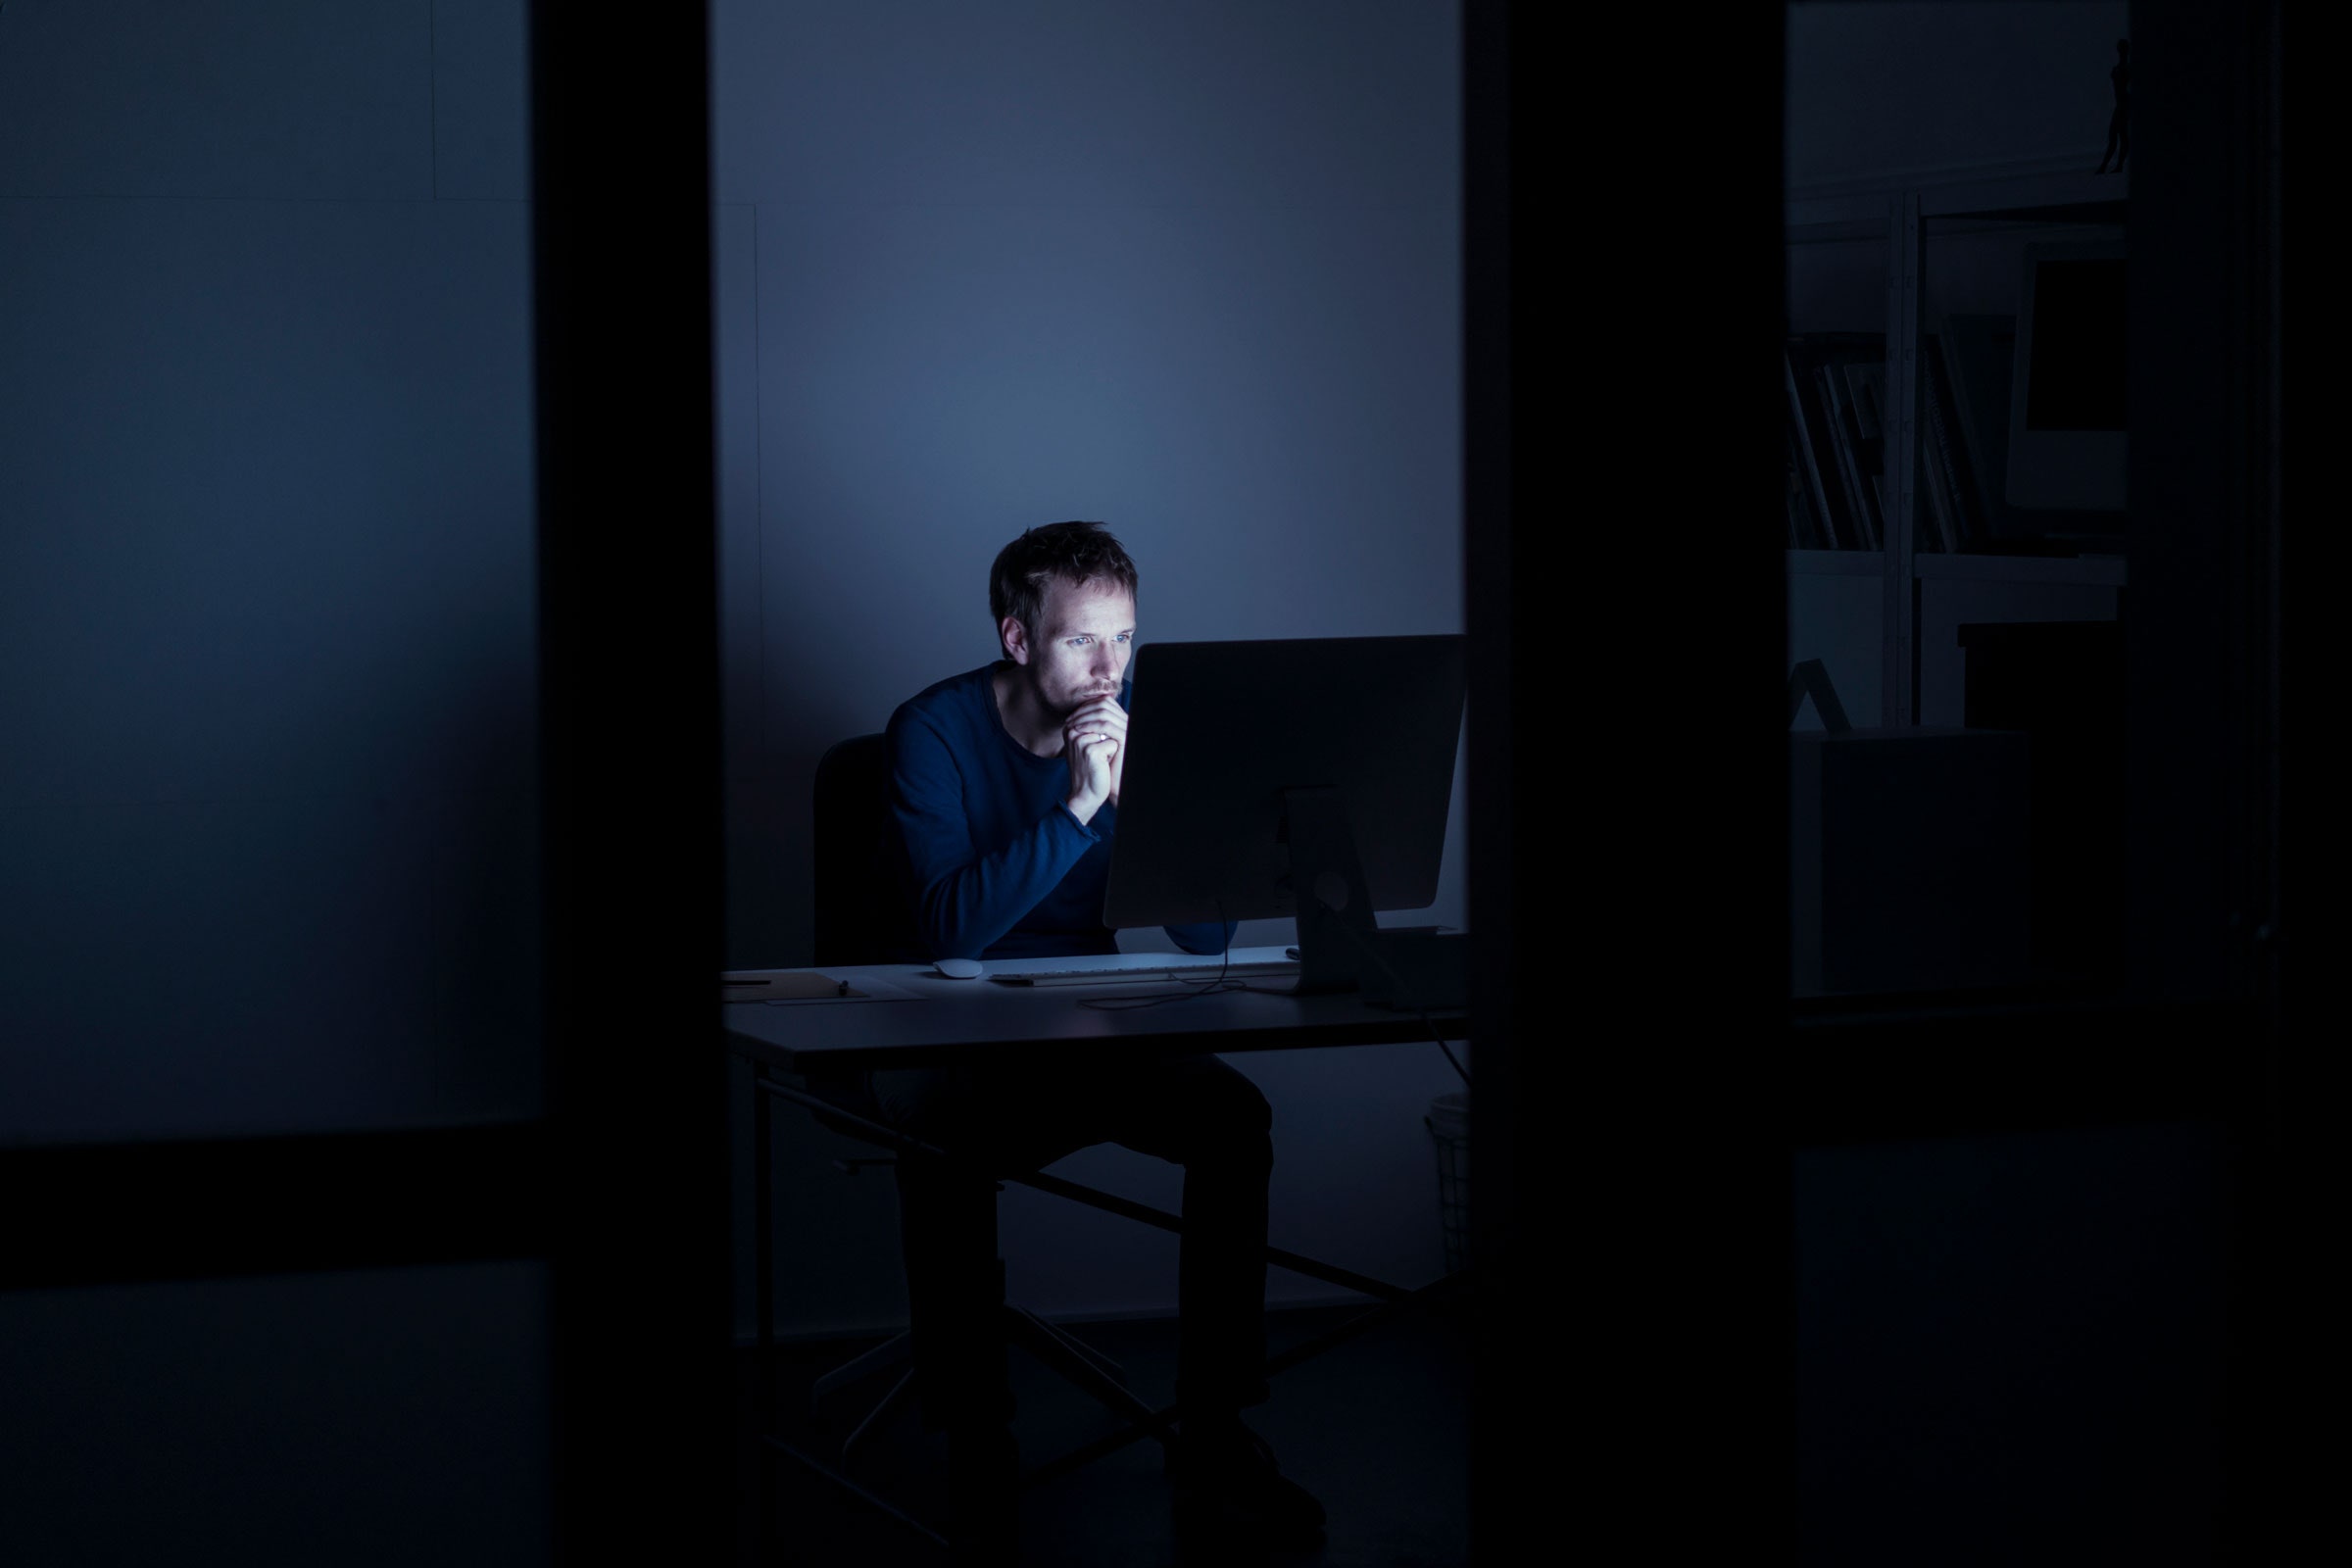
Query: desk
x,y
980,1021
966,1021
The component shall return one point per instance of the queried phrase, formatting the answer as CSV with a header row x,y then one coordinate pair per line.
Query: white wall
x,y
1192,270
268,680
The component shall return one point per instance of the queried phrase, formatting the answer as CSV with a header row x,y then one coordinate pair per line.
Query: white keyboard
x,y
1129,968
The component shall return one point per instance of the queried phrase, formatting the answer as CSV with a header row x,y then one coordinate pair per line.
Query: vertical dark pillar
x,y
2300,936
2236,867
631,747
2200,897
2198,492
2302,664
1623,311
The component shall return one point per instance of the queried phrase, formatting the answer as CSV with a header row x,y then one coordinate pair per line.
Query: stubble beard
x,y
1078,698
1045,700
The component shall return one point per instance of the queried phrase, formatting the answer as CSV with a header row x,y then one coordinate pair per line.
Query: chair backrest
x,y
861,914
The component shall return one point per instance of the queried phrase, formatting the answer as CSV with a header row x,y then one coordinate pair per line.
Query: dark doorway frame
x,y
1641,1089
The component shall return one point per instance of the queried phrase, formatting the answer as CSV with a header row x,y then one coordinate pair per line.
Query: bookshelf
x,y
1900,219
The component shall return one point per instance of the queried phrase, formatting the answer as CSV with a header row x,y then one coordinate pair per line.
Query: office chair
x,y
861,918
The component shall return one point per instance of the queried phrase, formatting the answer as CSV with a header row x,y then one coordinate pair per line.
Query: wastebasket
x,y
1449,1124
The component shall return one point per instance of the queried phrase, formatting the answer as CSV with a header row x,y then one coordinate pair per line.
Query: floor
x,y
1377,1428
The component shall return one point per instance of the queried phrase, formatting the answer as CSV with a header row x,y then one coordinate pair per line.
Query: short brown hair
x,y
1075,552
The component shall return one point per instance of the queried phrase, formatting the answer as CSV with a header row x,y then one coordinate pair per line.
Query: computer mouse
x,y
959,968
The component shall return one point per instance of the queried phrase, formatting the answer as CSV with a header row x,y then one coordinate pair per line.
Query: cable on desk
x,y
1192,988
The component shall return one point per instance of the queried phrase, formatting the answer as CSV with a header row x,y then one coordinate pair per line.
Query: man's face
x,y
1084,639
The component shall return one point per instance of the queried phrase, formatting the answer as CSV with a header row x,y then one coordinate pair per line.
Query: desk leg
x,y
764,1252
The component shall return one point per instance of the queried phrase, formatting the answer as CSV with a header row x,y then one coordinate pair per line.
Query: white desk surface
x,y
945,1021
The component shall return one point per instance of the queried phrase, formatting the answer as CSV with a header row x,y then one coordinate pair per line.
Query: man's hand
x,y
1094,740
1103,716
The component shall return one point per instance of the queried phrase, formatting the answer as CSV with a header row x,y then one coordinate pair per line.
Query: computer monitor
x,y
2067,445
1307,777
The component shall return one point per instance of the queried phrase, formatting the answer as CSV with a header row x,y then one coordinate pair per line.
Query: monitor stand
x,y
1336,929
1341,946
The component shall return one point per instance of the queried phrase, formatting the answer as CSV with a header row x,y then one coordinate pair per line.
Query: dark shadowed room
x,y
582,979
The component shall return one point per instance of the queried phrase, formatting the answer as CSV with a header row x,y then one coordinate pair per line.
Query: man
x,y
1005,791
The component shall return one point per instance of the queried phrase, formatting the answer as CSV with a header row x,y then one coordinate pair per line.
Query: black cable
x,y
1195,988
1201,988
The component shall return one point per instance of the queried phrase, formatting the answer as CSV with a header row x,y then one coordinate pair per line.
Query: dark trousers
x,y
1194,1111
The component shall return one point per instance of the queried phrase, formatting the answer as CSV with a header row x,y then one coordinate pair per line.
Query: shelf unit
x,y
1899,216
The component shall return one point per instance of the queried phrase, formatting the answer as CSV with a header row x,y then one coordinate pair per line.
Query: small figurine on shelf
x,y
2119,124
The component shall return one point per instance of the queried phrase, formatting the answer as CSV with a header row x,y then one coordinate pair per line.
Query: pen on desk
x,y
745,982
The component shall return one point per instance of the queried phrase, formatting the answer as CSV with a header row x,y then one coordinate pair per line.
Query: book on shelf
x,y
1938,535
1838,417
1979,367
1805,530
1807,431
1866,381
1845,441
1944,459
1836,386
1932,527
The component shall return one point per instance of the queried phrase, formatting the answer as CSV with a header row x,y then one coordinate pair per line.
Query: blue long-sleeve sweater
x,y
996,866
